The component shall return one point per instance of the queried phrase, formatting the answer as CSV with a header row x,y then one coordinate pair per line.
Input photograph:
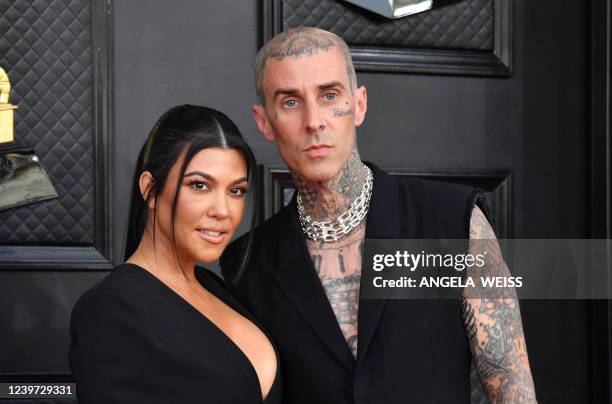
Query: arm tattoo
x,y
494,328
468,319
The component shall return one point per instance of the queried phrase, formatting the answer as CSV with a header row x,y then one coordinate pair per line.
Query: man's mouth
x,y
318,150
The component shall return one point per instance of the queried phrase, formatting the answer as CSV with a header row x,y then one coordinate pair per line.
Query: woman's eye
x,y
200,186
330,96
290,103
238,191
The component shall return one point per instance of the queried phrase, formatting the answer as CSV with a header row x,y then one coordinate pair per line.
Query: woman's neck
x,y
159,258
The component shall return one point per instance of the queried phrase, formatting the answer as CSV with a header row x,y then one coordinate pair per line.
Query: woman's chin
x,y
210,257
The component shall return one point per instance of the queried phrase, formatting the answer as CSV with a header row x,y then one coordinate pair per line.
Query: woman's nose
x,y
219,206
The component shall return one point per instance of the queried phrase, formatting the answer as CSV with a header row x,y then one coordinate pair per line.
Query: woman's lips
x,y
212,236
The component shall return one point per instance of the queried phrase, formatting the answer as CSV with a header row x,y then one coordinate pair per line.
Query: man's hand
x,y
493,324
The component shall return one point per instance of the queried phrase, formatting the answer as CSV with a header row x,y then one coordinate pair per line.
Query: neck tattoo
x,y
344,224
340,202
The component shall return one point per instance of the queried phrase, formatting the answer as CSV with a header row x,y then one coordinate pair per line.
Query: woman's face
x,y
209,207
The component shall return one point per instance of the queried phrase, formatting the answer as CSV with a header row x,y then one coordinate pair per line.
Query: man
x,y
303,277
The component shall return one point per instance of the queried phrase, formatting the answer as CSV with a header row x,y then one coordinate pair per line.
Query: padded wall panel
x,y
467,25
45,47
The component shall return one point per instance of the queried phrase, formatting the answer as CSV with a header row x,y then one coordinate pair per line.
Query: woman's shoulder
x,y
119,288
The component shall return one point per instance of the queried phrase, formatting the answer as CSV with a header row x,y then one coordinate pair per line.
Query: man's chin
x,y
318,173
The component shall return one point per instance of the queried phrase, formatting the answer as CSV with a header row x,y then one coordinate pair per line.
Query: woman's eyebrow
x,y
211,178
239,180
201,174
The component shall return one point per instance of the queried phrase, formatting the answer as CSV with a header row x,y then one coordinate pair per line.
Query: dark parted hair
x,y
184,130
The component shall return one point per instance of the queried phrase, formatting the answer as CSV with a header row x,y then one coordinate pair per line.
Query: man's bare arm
x,y
493,324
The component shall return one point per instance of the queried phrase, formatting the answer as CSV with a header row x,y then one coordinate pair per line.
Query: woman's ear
x,y
145,183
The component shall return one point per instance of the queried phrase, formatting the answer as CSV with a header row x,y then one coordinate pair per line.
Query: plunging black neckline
x,y
229,301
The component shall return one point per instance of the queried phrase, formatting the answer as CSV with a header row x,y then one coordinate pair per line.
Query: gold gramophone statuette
x,y
6,109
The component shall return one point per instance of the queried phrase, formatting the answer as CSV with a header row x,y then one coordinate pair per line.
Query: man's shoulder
x,y
433,189
419,190
444,200
423,207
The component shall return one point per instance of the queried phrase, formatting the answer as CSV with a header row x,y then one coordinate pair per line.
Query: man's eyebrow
x,y
284,91
293,91
331,84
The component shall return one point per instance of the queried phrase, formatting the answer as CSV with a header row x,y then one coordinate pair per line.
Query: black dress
x,y
134,340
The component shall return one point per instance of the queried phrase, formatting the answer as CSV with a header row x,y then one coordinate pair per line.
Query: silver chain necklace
x,y
345,223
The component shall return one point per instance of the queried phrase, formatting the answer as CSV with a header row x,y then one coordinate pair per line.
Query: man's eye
x,y
290,103
330,96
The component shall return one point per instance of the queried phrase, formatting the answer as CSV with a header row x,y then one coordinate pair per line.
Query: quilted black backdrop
x,y
45,47
467,25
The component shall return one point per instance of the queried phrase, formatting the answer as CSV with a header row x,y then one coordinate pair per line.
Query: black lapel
x,y
297,278
382,223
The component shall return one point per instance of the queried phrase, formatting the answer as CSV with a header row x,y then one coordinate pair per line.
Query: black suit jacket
x,y
408,351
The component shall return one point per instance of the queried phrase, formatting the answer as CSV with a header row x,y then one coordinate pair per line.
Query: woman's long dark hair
x,y
184,130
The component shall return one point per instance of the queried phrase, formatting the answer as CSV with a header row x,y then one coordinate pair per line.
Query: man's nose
x,y
315,120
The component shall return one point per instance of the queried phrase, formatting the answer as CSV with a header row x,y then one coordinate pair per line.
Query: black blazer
x,y
408,351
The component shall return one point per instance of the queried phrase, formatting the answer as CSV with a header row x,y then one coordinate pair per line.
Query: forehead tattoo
x,y
304,45
297,43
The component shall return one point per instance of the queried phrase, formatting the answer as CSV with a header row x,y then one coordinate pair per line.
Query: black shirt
x,y
134,340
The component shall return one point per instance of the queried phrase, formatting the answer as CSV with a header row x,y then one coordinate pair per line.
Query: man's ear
x,y
361,105
261,119
145,183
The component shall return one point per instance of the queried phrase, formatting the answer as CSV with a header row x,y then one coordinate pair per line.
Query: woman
x,y
158,329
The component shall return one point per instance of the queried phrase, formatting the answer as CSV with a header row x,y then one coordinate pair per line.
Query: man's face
x,y
311,113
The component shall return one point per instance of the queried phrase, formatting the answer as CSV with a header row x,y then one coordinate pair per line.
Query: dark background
x,y
538,124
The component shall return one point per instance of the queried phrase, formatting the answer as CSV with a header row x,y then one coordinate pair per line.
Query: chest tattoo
x,y
338,265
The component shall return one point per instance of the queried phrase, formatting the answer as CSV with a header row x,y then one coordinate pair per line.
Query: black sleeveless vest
x,y
409,351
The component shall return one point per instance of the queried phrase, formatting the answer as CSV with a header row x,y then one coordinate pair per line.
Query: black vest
x,y
409,351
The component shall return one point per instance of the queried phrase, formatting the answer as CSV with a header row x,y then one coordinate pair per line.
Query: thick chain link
x,y
345,223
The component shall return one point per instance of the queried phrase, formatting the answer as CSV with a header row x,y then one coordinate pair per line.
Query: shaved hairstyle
x,y
297,43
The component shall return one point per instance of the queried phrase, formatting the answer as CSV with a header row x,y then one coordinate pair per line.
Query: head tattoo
x,y
297,43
